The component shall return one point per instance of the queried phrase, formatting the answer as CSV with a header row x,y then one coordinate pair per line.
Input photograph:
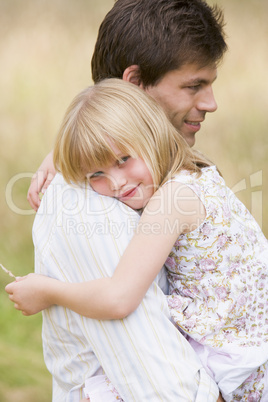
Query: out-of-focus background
x,y
45,53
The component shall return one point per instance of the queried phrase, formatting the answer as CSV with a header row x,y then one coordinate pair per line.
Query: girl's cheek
x,y
101,187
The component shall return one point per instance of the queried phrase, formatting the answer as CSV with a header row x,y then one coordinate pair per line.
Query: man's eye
x,y
194,87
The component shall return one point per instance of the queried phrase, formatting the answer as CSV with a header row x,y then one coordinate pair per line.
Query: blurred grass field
x,y
45,53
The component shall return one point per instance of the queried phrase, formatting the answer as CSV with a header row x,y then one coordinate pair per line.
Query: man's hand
x,y
30,293
220,399
41,180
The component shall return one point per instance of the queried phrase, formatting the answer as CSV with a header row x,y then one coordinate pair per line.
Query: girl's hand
x,y
30,293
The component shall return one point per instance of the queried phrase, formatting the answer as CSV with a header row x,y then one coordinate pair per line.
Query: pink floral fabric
x,y
218,280
113,390
252,388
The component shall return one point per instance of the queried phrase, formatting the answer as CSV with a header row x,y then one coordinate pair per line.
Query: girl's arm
x,y
172,210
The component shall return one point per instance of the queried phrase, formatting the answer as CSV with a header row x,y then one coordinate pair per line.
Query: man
x,y
171,49
181,81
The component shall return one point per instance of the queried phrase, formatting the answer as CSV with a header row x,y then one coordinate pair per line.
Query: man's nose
x,y
207,102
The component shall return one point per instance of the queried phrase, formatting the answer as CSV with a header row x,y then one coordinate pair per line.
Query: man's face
x,y
186,95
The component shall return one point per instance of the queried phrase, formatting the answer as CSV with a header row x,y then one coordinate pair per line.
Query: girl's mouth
x,y
128,194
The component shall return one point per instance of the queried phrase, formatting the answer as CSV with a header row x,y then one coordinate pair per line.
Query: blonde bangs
x,y
86,136
95,150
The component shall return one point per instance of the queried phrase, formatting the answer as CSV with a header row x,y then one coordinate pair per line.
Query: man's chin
x,y
189,138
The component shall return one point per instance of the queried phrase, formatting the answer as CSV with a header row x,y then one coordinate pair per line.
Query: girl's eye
x,y
95,175
123,160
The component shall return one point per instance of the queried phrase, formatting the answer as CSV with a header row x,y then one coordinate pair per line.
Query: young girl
x,y
119,139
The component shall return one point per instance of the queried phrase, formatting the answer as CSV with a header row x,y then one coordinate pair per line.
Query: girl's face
x,y
129,180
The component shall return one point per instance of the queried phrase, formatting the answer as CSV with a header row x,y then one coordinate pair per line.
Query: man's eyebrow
x,y
198,81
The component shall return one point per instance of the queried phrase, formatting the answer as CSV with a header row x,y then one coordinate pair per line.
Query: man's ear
x,y
132,74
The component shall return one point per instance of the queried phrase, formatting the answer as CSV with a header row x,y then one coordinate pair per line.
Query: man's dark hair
x,y
159,36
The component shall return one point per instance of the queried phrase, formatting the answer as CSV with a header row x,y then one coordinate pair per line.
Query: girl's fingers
x,y
25,313
20,278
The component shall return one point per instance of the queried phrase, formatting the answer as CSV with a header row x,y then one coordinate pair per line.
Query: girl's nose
x,y
118,180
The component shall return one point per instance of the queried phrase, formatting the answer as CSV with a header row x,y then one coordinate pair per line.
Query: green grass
x,y
45,53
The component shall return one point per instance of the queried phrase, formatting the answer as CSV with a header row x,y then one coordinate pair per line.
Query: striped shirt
x,y
79,236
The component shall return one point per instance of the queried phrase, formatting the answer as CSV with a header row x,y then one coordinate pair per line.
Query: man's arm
x,y
41,180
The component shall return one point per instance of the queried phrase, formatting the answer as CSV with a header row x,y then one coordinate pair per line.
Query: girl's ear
x,y
132,74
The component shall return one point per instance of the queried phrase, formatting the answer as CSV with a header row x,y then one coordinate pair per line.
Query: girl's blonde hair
x,y
121,112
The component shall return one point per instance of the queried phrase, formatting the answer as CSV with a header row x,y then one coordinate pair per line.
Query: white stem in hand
x,y
7,271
